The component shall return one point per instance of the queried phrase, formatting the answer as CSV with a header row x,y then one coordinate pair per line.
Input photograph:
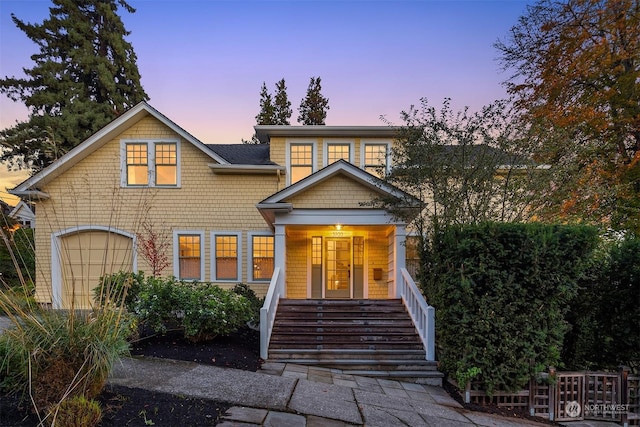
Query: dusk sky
x,y
203,61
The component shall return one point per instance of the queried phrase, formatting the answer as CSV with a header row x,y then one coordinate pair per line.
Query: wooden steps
x,y
362,337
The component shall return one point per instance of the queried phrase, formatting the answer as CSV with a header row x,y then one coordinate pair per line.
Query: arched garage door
x,y
87,255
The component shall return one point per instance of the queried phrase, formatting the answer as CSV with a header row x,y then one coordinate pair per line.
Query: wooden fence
x,y
572,396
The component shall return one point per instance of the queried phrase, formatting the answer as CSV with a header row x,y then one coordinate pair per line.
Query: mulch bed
x,y
124,406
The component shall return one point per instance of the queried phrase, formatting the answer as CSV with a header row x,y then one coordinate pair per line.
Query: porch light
x,y
338,227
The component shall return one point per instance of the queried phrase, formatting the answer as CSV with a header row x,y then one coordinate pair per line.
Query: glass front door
x,y
338,268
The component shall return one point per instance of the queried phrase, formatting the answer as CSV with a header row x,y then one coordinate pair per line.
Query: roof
x,y
243,154
98,139
265,132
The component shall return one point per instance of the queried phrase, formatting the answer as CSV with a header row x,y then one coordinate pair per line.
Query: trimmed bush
x,y
501,292
201,310
605,315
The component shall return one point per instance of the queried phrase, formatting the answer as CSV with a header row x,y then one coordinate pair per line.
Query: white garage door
x,y
85,257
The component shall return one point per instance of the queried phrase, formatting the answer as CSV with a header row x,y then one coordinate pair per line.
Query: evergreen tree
x,y
267,114
282,104
84,76
313,108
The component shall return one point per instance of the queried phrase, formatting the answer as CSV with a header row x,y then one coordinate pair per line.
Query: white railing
x,y
423,315
268,312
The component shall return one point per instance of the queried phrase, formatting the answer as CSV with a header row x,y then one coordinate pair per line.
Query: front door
x,y
338,267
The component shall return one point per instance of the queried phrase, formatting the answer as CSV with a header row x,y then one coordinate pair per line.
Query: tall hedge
x,y
501,292
605,316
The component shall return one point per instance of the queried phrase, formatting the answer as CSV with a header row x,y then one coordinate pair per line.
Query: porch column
x,y
399,251
280,257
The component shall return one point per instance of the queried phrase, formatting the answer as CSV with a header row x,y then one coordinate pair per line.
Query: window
x,y
301,161
226,257
375,159
412,255
137,164
337,152
166,164
262,250
150,163
188,253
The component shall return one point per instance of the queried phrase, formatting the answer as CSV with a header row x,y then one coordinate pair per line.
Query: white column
x,y
280,257
399,253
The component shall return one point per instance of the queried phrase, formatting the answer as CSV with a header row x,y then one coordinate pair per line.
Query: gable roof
x,y
277,201
265,132
29,187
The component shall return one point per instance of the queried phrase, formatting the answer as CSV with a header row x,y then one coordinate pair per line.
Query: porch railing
x,y
423,315
268,312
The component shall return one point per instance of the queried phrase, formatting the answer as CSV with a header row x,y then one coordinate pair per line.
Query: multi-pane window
x,y
137,164
301,161
150,163
337,152
375,159
226,257
189,257
262,257
166,164
412,255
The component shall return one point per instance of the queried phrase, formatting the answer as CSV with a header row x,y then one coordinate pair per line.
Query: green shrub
x,y
77,411
605,315
501,292
17,299
256,303
118,289
201,310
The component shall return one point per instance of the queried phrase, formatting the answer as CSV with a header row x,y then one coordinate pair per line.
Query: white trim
x,y
239,256
56,268
337,141
176,252
250,236
151,161
365,217
301,141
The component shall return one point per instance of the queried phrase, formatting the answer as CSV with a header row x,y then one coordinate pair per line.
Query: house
x,y
291,217
23,214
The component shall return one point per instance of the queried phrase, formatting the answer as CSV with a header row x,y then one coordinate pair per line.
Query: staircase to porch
x,y
360,337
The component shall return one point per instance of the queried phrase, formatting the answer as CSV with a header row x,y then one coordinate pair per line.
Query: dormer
x,y
304,150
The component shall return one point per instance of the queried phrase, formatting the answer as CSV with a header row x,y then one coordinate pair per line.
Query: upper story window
x,y
137,164
150,163
300,161
375,158
338,151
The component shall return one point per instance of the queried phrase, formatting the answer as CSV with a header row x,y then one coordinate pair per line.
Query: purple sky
x,y
203,62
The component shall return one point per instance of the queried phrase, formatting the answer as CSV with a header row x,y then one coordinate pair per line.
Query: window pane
x,y
226,257
189,254
166,164
137,164
262,257
337,152
301,158
375,159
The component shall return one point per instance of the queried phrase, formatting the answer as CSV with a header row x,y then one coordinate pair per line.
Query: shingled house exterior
x,y
290,217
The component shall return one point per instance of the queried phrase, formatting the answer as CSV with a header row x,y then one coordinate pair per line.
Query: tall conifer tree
x,y
282,104
313,108
266,116
85,75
